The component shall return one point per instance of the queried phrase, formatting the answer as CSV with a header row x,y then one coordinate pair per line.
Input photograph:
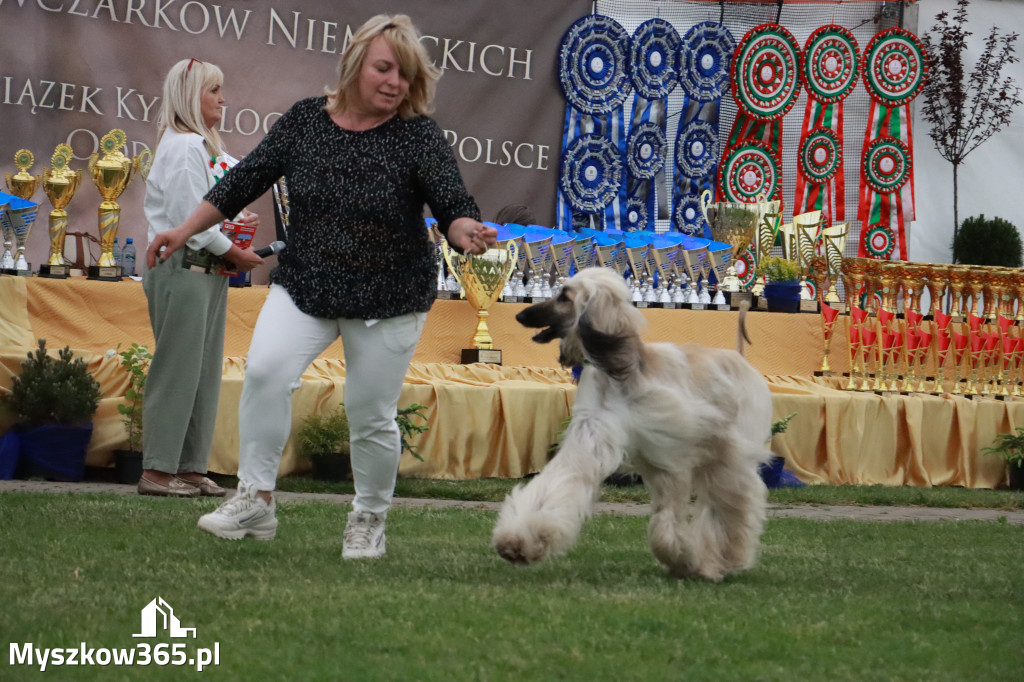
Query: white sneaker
x,y
364,536
244,514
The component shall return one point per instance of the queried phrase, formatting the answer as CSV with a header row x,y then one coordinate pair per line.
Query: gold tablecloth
x,y
498,421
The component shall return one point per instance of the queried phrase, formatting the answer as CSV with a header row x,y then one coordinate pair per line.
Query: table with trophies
x,y
884,390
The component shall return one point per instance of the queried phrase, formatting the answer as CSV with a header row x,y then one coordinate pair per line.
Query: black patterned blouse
x,y
357,244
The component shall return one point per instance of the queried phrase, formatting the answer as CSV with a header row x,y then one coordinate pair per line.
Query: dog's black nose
x,y
519,316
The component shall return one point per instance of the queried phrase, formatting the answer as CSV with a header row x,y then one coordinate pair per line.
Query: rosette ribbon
x,y
594,74
707,50
766,83
831,66
654,72
895,72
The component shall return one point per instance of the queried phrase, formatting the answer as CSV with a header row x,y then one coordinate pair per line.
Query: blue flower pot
x,y
783,297
55,453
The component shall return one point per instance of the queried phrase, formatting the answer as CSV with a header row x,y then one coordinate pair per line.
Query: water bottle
x,y
118,257
128,259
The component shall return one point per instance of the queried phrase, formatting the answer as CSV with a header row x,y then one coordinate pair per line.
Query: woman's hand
x,y
471,236
247,217
243,259
164,244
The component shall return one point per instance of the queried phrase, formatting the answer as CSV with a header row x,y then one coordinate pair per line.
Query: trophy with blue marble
x,y
60,184
111,175
21,215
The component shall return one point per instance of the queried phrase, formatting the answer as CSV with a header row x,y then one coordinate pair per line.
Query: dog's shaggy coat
x,y
693,421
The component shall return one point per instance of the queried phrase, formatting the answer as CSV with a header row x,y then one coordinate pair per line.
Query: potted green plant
x,y
54,400
128,462
782,288
323,440
408,428
1010,447
773,472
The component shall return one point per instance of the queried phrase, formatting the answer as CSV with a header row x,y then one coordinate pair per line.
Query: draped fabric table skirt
x,y
499,421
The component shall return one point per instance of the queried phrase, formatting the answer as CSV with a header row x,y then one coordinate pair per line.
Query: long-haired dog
x,y
693,421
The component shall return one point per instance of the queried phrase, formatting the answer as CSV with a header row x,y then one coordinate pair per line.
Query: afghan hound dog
x,y
693,421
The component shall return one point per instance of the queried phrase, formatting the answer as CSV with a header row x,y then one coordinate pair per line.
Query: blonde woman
x,y
360,163
186,304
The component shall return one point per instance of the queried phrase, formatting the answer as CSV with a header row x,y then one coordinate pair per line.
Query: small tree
x,y
965,110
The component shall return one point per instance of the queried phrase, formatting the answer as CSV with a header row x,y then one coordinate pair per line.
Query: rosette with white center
x,y
887,164
831,64
878,241
745,269
766,72
706,55
635,217
689,217
593,65
750,173
895,67
654,59
645,150
696,149
591,173
821,154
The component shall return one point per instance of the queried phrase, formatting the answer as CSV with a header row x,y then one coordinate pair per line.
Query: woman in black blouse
x,y
360,163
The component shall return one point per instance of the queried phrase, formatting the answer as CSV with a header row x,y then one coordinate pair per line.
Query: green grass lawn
x,y
827,601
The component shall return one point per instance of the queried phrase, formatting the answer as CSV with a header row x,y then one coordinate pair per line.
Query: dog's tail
x,y
741,329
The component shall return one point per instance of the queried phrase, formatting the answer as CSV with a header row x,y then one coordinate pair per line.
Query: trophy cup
x,y
7,261
637,255
833,239
540,256
767,232
482,278
734,224
60,184
807,232
22,185
16,216
562,246
584,252
661,259
694,259
111,175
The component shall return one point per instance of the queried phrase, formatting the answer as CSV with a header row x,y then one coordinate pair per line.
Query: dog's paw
x,y
511,550
522,549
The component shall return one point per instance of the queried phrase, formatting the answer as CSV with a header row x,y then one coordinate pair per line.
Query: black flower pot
x,y
128,466
334,467
1016,477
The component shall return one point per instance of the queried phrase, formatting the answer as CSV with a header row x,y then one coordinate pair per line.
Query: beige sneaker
x,y
364,536
244,514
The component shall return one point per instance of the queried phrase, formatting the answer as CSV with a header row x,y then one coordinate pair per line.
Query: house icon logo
x,y
158,615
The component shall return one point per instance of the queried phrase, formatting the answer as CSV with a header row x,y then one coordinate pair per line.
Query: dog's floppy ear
x,y
609,331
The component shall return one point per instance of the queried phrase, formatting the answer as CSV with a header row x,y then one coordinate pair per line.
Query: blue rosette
x,y
593,65
688,216
645,150
591,173
697,149
655,58
707,50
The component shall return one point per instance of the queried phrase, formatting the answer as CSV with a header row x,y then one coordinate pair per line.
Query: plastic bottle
x,y
128,259
118,257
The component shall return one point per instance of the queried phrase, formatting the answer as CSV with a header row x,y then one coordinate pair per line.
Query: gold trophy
x,y
20,218
60,184
767,231
735,224
482,278
111,174
833,240
807,233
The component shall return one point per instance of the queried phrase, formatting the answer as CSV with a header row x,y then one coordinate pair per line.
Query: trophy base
x,y
511,299
104,273
446,295
54,271
16,272
810,306
648,304
734,298
490,356
693,306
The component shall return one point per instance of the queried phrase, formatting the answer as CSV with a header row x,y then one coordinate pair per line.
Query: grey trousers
x,y
186,310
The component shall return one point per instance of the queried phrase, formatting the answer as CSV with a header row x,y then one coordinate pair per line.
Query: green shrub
x,y
135,361
53,391
776,269
988,241
324,435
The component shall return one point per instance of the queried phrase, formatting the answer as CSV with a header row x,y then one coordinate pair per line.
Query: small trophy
x,y
540,257
482,278
21,217
637,254
60,184
661,259
562,246
584,252
695,269
807,230
833,239
111,175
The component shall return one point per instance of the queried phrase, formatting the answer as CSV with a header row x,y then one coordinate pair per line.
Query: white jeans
x,y
284,342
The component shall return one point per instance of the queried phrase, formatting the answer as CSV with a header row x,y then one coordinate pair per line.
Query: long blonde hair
x,y
413,62
181,108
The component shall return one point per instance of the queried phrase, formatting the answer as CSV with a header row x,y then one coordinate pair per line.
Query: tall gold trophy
x,y
111,174
482,278
60,184
21,218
